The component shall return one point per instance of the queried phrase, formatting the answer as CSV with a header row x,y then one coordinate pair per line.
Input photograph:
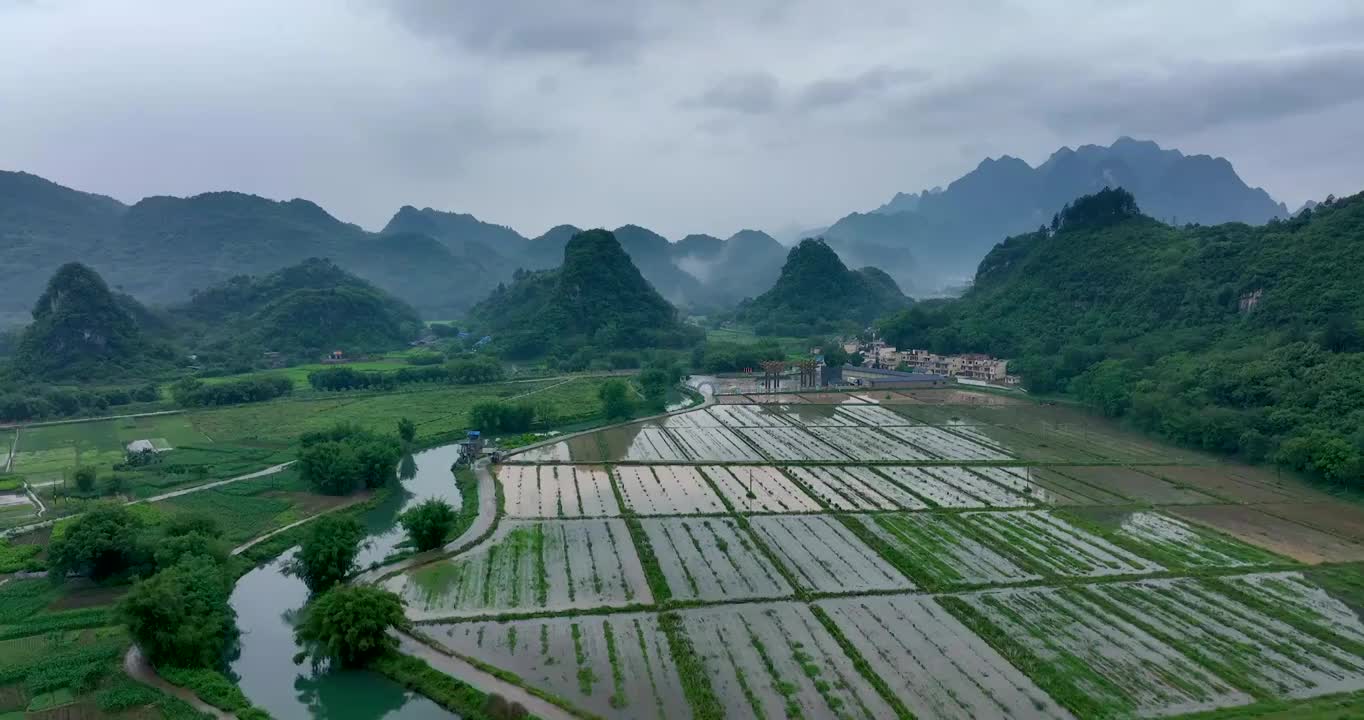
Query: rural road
x,y
457,668
209,486
164,496
137,668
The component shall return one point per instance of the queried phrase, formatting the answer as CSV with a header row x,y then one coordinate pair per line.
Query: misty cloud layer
x,y
693,116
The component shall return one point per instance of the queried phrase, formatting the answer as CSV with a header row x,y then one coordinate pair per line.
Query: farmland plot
x,y
557,491
1305,598
936,666
1021,480
927,485
817,416
1137,485
1056,546
666,490
791,445
693,419
614,666
1113,667
855,488
825,556
531,566
874,415
1238,641
712,559
942,444
939,553
748,416
714,444
776,661
553,452
976,484
652,444
868,445
771,491
1186,545
1299,542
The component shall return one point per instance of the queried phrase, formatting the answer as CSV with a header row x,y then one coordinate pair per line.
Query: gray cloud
x,y
752,93
693,116
594,30
869,83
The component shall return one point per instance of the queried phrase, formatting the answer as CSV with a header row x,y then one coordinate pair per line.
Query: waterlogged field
x,y
759,489
868,445
711,559
528,567
789,444
557,491
825,556
714,444
666,490
616,666
1101,661
938,552
934,554
933,663
854,488
777,661
1055,546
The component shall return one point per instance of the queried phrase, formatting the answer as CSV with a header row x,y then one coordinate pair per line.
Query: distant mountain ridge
x,y
934,238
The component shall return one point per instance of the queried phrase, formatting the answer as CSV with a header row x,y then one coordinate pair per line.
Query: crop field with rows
x,y
616,666
666,490
557,491
918,554
531,566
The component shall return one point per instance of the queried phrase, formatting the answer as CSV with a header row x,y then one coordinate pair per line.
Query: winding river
x,y
266,601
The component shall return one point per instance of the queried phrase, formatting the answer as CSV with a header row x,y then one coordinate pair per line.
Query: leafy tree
x,y
332,467
85,477
102,543
181,616
349,625
428,523
655,382
328,551
497,416
171,550
407,431
615,400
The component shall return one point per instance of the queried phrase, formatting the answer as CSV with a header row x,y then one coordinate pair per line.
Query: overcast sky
x,y
683,116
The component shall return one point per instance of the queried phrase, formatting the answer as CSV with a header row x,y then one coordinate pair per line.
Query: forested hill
x,y
80,329
596,298
1230,337
816,294
303,311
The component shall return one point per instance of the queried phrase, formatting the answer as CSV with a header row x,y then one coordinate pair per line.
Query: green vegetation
x,y
817,293
345,458
1231,338
464,700
494,416
180,616
80,330
100,544
328,551
350,625
691,667
597,298
615,400
428,524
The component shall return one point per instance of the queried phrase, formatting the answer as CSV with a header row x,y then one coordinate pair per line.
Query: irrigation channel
x,y
267,600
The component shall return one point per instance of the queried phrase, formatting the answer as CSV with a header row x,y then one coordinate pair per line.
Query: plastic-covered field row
x,y
825,556
711,559
759,489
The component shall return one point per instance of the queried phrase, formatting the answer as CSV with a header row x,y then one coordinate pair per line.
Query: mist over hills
x,y
162,249
935,238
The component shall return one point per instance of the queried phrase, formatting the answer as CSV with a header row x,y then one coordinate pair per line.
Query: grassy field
x,y
437,410
299,373
46,452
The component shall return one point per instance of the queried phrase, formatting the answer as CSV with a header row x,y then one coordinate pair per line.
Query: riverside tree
x,y
349,625
428,523
327,554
